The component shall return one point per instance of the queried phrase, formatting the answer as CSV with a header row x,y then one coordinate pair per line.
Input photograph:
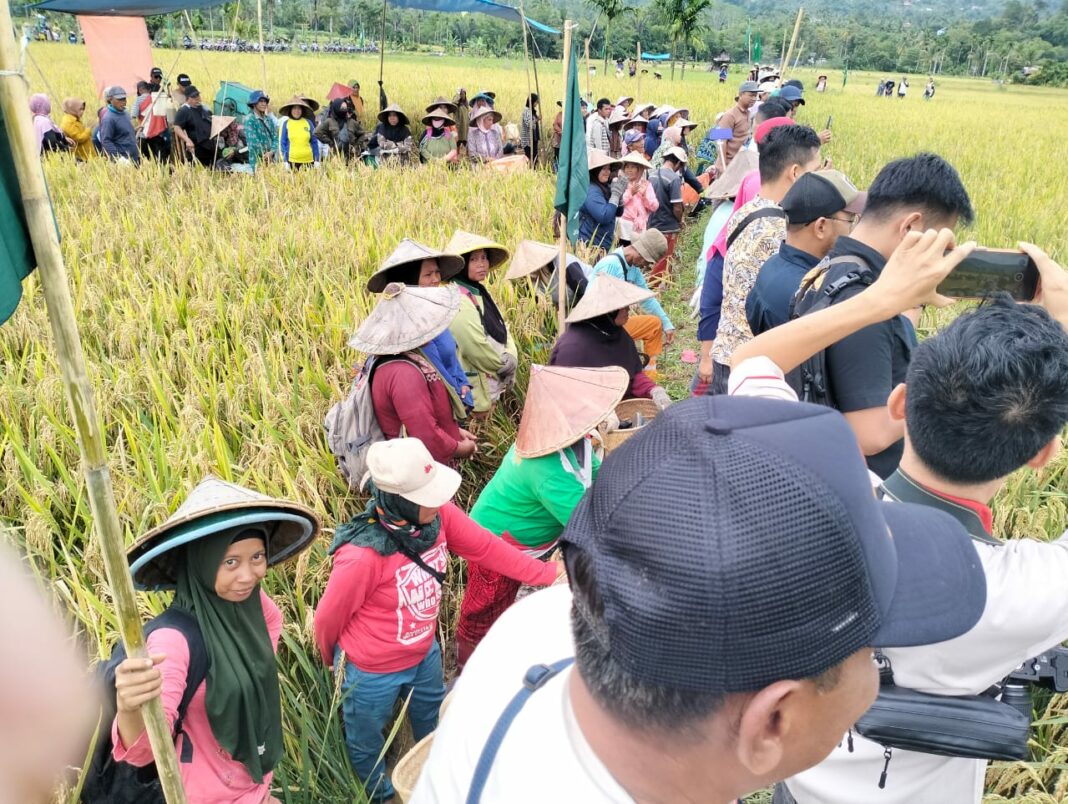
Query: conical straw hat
x,y
405,318
597,159
450,107
397,110
215,505
487,111
619,115
637,120
635,158
530,256
464,243
297,100
407,255
440,114
643,109
219,123
563,404
625,101
606,294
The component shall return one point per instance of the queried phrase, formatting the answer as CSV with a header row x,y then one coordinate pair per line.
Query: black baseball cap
x,y
156,72
736,542
191,91
821,194
184,80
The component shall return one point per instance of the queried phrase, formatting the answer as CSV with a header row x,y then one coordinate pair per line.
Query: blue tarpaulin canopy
x,y
655,56
148,8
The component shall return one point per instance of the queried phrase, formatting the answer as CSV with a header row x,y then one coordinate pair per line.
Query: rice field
x,y
215,311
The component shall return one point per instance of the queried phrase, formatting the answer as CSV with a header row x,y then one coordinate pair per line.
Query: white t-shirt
x,y
544,756
1026,613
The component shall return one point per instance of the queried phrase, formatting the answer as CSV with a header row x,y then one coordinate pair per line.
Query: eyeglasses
x,y
851,220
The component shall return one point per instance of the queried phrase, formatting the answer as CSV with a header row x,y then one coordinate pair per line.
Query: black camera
x,y
1048,670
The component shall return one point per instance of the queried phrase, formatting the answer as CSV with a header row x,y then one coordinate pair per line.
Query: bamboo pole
x,y
561,268
382,49
638,55
263,55
526,65
589,93
793,41
53,277
537,89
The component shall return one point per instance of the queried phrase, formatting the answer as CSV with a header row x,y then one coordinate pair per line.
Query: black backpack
x,y
109,782
810,379
54,142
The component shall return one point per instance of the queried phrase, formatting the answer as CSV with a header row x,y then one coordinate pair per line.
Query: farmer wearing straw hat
x,y
380,606
261,133
599,335
417,265
407,391
597,217
530,497
485,142
214,551
393,137
639,199
634,135
296,143
485,345
439,141
616,121
538,262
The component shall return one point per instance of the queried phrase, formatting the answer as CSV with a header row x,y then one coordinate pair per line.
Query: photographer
x,y
981,399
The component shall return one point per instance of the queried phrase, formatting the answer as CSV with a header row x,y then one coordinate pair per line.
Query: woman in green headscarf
x,y
215,551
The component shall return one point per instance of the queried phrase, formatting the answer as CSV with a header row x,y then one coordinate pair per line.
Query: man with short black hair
x,y
820,207
918,193
597,134
689,680
737,119
754,233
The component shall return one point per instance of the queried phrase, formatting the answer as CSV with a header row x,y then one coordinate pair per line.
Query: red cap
x,y
768,125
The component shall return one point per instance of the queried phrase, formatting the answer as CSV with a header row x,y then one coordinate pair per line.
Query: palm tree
x,y
610,9
686,26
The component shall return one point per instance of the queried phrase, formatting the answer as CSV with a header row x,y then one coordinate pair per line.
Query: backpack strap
x,y
763,212
186,624
418,559
536,678
815,277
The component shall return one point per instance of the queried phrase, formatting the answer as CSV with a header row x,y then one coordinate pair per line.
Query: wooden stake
x,y
54,283
785,65
382,48
638,55
561,268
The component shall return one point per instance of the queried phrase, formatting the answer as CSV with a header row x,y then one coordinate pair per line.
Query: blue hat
x,y
791,94
256,96
735,542
485,96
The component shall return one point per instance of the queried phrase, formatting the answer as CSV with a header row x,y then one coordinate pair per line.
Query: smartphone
x,y
987,270
830,119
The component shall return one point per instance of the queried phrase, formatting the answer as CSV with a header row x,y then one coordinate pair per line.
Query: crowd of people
x,y
721,582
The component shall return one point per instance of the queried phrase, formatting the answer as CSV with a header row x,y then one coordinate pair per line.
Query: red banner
x,y
119,51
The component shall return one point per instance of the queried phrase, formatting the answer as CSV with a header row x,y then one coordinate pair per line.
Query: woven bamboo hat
x,y
395,109
635,158
450,107
296,100
405,318
625,101
408,255
219,123
464,243
597,159
637,120
439,113
667,109
619,115
406,771
487,111
643,109
530,256
563,404
606,294
213,506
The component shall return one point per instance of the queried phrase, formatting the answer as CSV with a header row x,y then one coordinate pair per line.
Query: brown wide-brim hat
x,y
410,254
635,158
464,243
597,159
564,404
219,124
441,116
393,109
406,318
606,294
213,506
296,100
440,101
487,111
312,102
530,256
618,117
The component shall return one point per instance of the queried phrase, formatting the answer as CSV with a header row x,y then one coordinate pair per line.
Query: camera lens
x,y
1018,696
1018,276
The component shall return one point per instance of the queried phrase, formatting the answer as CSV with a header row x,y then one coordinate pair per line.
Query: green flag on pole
x,y
16,252
758,49
573,177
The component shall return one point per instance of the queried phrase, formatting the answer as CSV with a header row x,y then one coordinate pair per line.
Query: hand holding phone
x,y
989,270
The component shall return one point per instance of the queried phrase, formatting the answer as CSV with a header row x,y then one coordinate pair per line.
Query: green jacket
x,y
479,356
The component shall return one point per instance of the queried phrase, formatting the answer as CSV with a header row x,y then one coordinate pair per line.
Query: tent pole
x,y
79,393
638,67
561,267
526,64
382,48
263,56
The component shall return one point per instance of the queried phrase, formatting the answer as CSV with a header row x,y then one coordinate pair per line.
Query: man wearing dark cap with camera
x,y
820,207
737,119
192,128
729,570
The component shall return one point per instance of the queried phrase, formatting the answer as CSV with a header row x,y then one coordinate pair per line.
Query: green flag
x,y
573,177
758,49
16,251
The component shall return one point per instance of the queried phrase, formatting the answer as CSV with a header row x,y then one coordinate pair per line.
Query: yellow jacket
x,y
82,136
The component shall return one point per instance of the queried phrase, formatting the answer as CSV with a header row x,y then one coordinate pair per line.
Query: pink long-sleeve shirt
x,y
638,206
213,777
383,610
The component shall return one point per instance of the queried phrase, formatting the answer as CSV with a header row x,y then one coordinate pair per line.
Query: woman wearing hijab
x,y
420,266
463,117
603,204
76,131
616,121
484,139
393,136
296,143
672,138
544,474
381,603
486,348
49,135
634,136
341,129
639,199
214,551
439,141
597,336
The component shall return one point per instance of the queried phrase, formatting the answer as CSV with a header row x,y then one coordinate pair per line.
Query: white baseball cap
x,y
404,466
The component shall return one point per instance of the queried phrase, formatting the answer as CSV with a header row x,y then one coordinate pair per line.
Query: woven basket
x,y
406,771
626,410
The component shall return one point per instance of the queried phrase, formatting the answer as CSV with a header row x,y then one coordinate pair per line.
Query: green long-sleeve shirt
x,y
480,358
